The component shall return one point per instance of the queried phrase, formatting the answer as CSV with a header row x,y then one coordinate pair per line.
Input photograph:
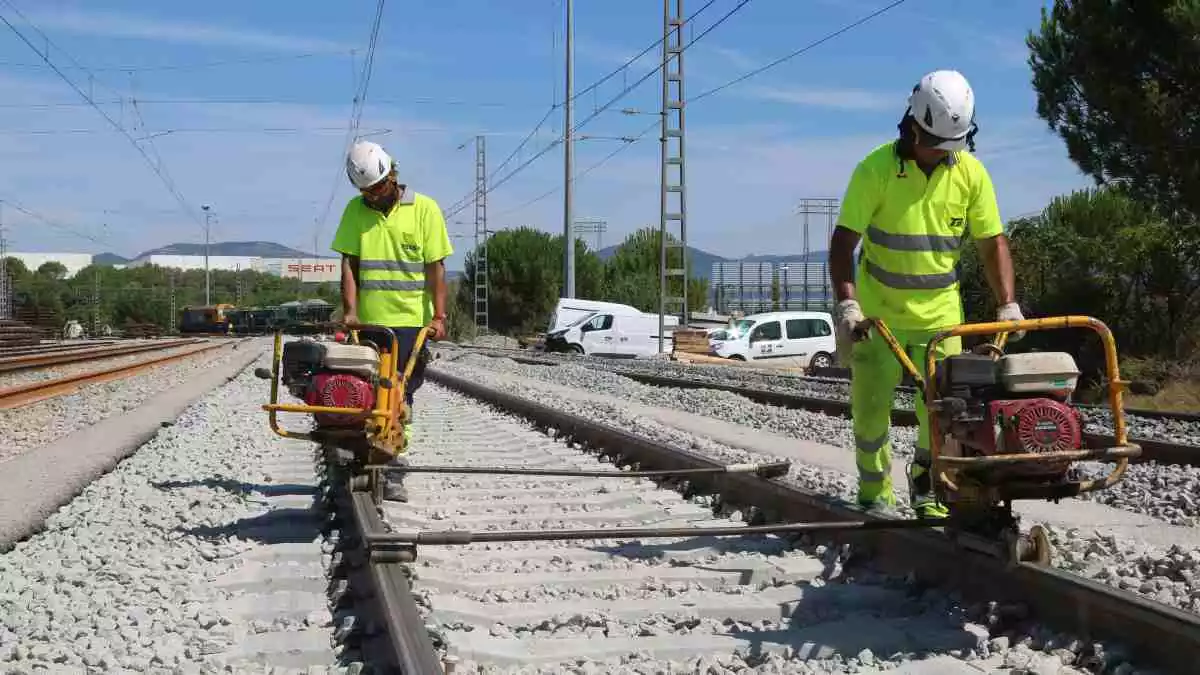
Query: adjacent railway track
x,y
25,394
1166,637
1163,452
58,357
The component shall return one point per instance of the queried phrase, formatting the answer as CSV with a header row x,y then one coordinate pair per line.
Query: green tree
x,y
525,278
1100,253
52,270
1118,80
631,275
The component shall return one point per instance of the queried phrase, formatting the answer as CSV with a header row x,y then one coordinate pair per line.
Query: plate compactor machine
x,y
1002,427
354,392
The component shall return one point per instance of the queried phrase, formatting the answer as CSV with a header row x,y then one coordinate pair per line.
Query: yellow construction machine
x,y
354,391
1003,427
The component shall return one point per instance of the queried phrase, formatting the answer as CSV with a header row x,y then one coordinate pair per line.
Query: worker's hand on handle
x,y
437,329
852,327
350,321
1011,312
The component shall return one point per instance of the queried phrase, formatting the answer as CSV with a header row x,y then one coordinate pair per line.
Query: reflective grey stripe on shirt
x,y
918,282
391,265
913,242
391,285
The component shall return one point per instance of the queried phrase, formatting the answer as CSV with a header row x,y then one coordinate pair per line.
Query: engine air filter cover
x,y
340,390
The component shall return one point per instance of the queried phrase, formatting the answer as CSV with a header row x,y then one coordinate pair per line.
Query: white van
x,y
805,336
613,334
568,311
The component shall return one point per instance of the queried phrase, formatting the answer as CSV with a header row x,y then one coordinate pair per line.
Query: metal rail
x,y
59,357
1163,452
32,392
409,648
1157,633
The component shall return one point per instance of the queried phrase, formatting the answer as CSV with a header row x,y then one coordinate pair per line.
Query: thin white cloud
x,y
115,25
837,99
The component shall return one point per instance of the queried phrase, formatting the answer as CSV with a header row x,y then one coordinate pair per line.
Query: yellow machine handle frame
x,y
946,468
391,410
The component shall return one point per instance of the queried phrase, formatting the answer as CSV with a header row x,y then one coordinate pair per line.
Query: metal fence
x,y
751,287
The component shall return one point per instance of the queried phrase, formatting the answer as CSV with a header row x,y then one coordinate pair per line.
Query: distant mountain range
x,y
702,261
261,249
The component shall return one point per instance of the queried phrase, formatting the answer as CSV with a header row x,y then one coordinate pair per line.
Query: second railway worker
x,y
393,242
913,202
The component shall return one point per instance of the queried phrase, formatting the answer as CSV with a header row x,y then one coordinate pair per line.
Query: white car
x,y
805,336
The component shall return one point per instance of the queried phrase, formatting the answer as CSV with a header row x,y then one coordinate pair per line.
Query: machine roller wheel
x,y
1032,548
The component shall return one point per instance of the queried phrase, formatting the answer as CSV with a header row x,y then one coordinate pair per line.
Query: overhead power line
x,y
798,52
604,160
356,110
158,168
53,223
462,203
179,66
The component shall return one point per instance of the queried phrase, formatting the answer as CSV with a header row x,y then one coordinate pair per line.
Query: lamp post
x,y
207,208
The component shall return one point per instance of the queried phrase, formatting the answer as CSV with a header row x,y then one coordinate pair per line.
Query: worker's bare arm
x,y
841,262
350,287
435,283
998,268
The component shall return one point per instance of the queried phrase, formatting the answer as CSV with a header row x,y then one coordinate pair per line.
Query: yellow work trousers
x,y
875,375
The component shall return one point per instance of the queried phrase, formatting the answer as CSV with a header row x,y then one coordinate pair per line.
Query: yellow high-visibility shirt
x,y
393,250
913,228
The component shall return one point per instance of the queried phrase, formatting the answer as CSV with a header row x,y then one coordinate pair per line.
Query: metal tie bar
x,y
460,537
767,470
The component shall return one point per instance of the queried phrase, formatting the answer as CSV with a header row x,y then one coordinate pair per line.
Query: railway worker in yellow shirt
x,y
913,203
394,244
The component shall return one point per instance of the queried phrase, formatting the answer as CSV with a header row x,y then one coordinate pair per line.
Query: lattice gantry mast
x,y
673,194
481,235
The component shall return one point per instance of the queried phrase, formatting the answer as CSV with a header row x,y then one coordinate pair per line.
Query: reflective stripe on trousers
x,y
876,374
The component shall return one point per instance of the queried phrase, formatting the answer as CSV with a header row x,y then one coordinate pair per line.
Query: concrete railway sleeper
x,y
753,603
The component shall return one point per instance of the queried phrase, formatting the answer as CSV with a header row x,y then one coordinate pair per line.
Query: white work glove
x,y
1011,312
847,316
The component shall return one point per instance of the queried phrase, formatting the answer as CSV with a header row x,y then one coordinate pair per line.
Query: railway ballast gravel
x,y
36,424
1099,421
683,605
1166,574
202,549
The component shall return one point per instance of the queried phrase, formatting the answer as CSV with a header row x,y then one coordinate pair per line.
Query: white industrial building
x,y
306,269
314,270
72,261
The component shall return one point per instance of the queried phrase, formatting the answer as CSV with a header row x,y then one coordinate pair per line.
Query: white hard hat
x,y
943,105
367,164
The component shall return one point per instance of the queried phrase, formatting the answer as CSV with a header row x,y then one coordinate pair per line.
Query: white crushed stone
x,y
21,377
1138,563
27,427
120,578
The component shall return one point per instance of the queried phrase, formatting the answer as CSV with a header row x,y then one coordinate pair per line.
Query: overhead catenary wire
x,y
462,204
798,52
356,111
158,170
604,160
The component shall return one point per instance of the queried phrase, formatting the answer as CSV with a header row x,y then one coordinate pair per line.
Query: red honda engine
x,y
1019,404
339,390
331,374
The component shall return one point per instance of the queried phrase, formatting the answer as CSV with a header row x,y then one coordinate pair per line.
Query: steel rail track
x,y
46,348
1158,634
32,392
1163,452
33,361
829,375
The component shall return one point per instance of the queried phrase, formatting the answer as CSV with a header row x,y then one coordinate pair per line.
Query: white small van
x,y
568,311
613,334
804,336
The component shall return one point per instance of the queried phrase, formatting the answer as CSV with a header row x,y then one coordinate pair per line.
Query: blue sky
x,y
247,103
